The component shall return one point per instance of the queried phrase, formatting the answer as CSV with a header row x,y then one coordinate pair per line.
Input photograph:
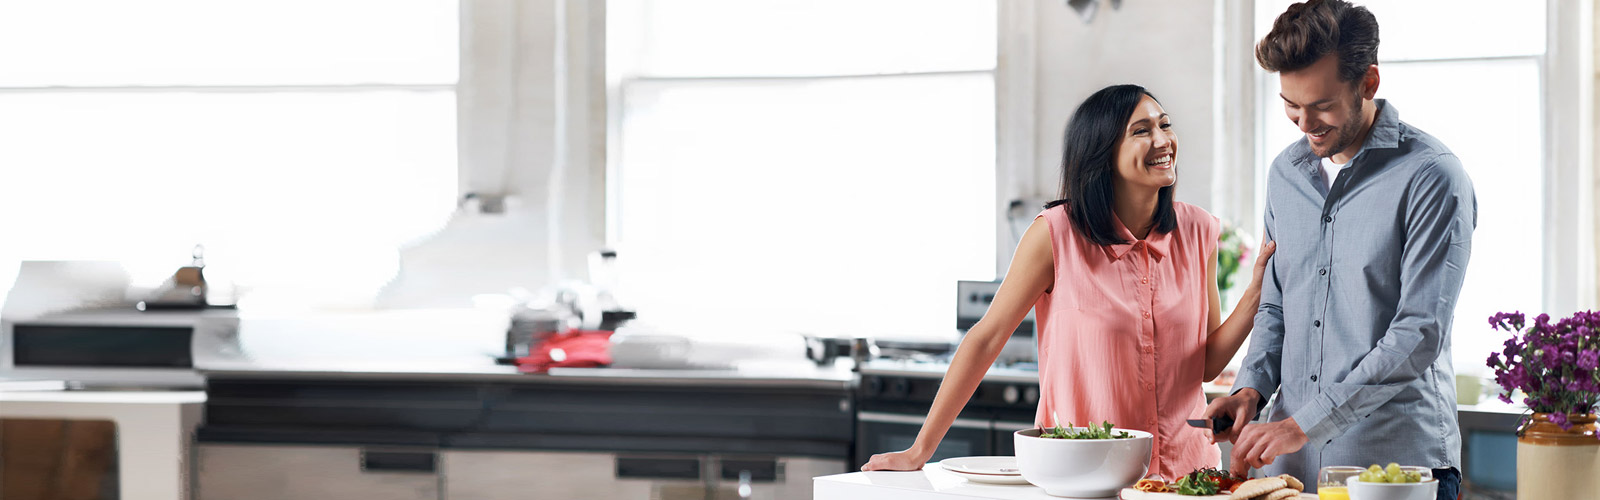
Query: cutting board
x,y
1133,494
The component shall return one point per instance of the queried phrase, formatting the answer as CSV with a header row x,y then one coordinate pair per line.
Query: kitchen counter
x,y
454,346
799,374
468,402
930,483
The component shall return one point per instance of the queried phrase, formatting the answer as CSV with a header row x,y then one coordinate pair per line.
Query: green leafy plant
x,y
1234,251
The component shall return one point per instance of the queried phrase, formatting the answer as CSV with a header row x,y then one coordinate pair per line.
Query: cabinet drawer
x,y
520,475
272,472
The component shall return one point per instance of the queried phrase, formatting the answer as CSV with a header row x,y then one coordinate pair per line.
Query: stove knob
x,y
1030,396
900,388
1011,394
872,386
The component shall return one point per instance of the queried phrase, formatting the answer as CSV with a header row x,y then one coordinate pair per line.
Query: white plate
x,y
996,470
992,478
1002,466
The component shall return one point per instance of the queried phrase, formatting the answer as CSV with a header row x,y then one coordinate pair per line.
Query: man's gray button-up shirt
x,y
1353,332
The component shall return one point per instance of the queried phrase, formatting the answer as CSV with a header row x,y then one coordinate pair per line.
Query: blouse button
x,y
1147,315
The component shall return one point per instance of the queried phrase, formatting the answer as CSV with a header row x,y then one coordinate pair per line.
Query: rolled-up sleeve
x,y
1260,369
1441,212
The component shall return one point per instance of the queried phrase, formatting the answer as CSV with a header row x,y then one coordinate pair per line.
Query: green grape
x,y
1413,477
1394,474
1375,469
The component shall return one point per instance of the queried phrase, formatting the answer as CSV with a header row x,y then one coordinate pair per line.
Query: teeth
x,y
1160,161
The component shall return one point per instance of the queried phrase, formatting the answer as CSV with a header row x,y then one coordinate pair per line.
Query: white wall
x,y
531,132
1177,50
1164,46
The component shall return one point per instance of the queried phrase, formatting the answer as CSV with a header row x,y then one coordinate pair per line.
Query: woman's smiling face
x,y
1147,153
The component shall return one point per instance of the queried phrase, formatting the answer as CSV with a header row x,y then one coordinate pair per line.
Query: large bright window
x,y
301,142
815,166
1481,96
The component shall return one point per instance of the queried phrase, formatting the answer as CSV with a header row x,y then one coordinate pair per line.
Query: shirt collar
x,y
1156,241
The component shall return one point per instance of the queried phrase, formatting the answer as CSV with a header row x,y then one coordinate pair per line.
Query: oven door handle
x,y
896,418
1001,425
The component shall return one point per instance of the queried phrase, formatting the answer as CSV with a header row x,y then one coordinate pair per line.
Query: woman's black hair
x,y
1088,165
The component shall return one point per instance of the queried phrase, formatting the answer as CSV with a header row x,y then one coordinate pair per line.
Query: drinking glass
x,y
1331,481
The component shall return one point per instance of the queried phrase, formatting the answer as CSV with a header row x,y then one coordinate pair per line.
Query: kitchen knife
x,y
1217,425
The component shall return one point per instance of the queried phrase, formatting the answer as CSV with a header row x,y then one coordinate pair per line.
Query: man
x,y
1373,220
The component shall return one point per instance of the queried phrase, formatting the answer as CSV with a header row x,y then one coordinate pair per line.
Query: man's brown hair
x,y
1310,30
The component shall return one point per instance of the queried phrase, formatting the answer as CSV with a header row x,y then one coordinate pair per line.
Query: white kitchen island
x,y
930,483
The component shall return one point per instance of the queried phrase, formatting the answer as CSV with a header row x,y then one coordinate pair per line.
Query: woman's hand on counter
x,y
900,460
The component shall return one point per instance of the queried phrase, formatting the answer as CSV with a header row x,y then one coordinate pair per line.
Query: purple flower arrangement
x,y
1557,367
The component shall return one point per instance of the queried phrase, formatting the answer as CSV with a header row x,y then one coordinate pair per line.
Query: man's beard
x,y
1345,135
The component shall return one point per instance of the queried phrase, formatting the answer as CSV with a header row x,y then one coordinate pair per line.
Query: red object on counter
x,y
574,349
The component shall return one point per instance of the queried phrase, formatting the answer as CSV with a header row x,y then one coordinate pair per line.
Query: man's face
x,y
1327,110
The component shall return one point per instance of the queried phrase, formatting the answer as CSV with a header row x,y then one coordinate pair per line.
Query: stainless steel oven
x,y
878,432
1003,432
117,347
893,398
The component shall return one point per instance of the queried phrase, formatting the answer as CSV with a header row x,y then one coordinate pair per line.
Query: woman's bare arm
x,y
1224,338
1032,273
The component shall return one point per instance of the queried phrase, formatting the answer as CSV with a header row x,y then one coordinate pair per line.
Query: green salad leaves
x,y
1197,483
1103,431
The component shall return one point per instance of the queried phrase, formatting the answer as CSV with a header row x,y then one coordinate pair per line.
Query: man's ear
x,y
1369,82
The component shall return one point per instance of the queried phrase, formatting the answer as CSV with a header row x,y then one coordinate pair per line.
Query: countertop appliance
x,y
972,302
117,347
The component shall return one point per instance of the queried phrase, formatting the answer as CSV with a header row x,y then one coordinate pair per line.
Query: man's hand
x,y
1260,444
1241,406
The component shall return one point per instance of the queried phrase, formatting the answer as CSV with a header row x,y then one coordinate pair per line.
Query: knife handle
x,y
1221,423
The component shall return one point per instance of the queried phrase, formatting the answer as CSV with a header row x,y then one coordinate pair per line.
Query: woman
x,y
1123,283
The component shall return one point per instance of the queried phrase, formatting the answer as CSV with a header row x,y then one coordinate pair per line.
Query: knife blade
x,y
1217,425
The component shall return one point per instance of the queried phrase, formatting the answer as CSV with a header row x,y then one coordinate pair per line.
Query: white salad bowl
x,y
1083,468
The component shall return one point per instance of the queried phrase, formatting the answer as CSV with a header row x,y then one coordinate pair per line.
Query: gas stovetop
x,y
935,368
909,385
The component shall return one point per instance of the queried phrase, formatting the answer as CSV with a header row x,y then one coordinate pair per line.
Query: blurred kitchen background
x,y
314,249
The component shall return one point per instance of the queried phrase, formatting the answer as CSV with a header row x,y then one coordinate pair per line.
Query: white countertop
x,y
105,397
796,374
930,483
